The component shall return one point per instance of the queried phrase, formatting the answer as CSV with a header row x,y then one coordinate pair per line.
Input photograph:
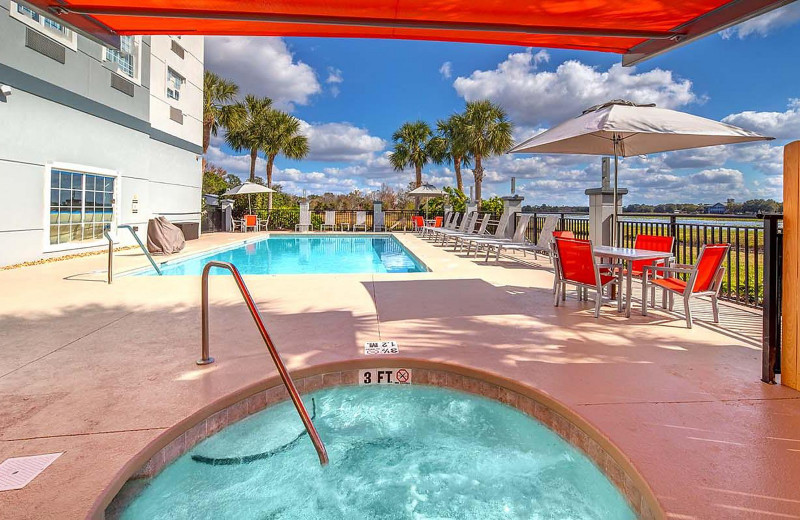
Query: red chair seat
x,y
671,284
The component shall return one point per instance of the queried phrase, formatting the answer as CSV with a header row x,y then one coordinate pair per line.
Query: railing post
x,y
106,229
770,356
673,232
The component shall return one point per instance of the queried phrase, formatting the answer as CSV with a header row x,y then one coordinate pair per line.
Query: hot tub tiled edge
x,y
177,440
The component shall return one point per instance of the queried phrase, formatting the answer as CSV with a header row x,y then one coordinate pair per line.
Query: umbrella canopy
x,y
424,191
248,188
626,129
623,129
636,28
427,190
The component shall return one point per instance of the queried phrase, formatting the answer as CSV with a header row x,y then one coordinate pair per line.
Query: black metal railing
x,y
744,265
578,223
773,281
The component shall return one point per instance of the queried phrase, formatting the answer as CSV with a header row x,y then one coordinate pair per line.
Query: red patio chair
x,y
419,223
650,243
438,222
250,221
575,265
705,279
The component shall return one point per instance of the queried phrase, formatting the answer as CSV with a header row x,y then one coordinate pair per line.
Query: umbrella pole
x,y
249,204
614,237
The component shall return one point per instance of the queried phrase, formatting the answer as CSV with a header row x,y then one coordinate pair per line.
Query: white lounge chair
x,y
541,246
480,232
466,222
305,221
330,221
361,221
471,231
448,224
499,234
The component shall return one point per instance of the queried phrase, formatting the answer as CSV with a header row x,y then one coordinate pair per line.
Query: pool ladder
x,y
106,234
273,352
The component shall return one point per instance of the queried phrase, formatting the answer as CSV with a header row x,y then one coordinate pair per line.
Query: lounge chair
x,y
450,220
330,221
460,228
464,230
705,279
361,221
575,265
499,234
541,246
480,231
305,221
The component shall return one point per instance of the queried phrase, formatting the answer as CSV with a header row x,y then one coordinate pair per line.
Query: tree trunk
x,y
419,176
478,173
207,124
457,168
270,162
253,157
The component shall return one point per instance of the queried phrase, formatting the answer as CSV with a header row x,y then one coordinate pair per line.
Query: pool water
x,y
396,452
294,254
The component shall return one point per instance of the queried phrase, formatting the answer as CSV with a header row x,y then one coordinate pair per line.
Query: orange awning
x,y
637,29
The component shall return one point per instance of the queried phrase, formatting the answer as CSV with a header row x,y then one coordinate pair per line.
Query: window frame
x,y
47,247
68,40
167,84
137,61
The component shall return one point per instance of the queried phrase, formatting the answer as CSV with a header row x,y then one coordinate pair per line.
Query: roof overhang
x,y
637,29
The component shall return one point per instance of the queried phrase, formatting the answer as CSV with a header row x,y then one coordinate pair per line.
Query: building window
x,y
126,57
80,205
174,83
43,24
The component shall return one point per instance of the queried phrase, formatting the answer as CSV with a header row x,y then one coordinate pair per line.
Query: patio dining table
x,y
628,255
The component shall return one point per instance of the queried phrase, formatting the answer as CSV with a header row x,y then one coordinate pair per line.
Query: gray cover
x,y
163,238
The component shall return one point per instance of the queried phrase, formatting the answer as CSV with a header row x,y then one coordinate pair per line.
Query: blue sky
x,y
352,94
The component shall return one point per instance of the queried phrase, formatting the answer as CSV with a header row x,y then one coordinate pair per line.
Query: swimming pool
x,y
305,254
396,452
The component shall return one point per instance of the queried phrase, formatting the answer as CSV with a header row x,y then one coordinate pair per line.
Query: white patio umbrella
x,y
624,129
426,191
248,188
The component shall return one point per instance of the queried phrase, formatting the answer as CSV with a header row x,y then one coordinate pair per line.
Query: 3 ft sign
x,y
384,376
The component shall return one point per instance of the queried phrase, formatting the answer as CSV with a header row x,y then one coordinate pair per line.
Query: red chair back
x,y
711,258
438,222
576,260
650,243
563,234
418,221
250,220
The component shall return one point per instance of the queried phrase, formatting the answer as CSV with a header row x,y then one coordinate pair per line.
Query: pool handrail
x,y
273,352
106,229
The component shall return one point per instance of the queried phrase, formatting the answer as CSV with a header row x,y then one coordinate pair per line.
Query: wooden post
x,y
790,360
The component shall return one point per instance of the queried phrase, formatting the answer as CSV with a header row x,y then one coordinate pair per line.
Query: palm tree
x,y
280,134
245,129
487,132
218,93
449,145
412,148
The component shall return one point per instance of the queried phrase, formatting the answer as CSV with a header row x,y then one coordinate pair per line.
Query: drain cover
x,y
17,472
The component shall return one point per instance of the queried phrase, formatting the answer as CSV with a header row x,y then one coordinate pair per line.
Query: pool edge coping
x,y
574,429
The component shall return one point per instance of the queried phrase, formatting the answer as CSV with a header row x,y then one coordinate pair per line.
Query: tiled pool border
x,y
568,425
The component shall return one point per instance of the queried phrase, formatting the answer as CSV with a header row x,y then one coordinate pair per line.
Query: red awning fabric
x,y
635,28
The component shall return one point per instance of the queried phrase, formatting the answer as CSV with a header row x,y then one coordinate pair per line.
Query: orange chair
x,y
705,279
250,221
438,222
650,243
575,265
418,222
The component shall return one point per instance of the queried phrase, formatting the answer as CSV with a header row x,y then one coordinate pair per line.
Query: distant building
x,y
93,135
717,209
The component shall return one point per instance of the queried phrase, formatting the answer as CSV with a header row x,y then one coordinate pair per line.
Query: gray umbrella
x,y
624,129
248,188
427,191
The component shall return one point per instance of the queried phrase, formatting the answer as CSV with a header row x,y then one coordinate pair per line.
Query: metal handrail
x,y
106,229
273,352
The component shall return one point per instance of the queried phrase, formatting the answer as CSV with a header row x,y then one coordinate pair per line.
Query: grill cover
x,y
163,237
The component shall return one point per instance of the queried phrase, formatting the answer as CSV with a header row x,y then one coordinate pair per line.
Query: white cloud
x,y
263,66
340,142
765,24
335,78
535,97
782,125
446,70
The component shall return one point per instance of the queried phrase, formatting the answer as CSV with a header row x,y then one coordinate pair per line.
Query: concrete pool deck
x,y
100,371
